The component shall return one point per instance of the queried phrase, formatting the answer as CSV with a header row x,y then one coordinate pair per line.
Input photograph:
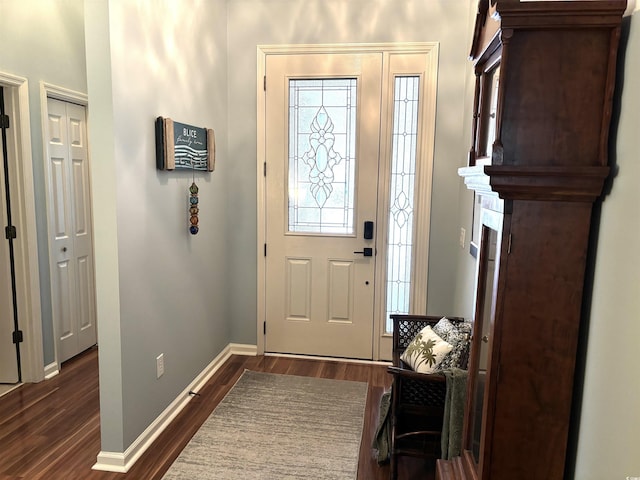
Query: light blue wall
x,y
163,291
268,22
43,41
160,289
150,251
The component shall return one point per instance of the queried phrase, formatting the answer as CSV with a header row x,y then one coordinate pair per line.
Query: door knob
x,y
367,252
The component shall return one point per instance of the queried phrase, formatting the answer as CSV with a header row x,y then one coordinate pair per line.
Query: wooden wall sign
x,y
184,147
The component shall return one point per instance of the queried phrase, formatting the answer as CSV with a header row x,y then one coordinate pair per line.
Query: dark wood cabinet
x,y
543,97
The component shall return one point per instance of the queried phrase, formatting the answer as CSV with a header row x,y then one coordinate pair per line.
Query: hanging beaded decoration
x,y
193,208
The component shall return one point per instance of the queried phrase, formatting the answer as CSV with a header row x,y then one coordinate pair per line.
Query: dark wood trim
x,y
582,184
481,18
577,14
607,108
474,125
575,184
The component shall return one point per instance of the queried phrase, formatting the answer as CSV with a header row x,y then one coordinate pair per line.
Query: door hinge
x,y
10,232
264,169
509,245
264,83
264,327
4,121
265,249
17,336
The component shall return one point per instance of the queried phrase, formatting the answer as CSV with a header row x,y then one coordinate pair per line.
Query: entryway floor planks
x,y
51,430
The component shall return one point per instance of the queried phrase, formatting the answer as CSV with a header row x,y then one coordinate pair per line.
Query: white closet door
x,y
72,274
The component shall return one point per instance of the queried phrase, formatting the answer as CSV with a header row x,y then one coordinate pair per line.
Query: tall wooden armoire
x,y
543,98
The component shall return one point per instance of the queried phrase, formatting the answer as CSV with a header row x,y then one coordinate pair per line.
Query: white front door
x,y
71,244
346,135
322,130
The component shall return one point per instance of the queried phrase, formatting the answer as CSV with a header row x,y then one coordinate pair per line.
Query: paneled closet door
x,y
70,229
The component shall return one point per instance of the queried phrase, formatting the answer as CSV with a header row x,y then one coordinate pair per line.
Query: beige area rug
x,y
278,427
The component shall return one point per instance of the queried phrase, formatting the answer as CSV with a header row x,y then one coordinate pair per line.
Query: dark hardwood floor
x,y
51,430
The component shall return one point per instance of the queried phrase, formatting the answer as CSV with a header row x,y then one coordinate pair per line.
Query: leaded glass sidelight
x,y
401,200
322,139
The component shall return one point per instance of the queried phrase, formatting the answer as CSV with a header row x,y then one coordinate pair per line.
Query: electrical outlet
x,y
160,365
463,233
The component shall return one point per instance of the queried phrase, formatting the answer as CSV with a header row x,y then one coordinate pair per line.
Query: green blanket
x,y
456,396
382,438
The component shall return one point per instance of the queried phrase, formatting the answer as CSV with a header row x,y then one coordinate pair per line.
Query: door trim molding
x,y
27,269
428,154
48,90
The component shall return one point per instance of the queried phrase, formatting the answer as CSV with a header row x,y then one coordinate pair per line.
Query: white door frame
x,y
418,301
24,218
48,90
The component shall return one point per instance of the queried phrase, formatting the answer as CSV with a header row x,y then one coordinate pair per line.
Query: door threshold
x,y
335,359
8,387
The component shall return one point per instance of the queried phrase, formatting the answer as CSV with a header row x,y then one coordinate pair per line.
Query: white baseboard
x,y
122,462
243,349
51,370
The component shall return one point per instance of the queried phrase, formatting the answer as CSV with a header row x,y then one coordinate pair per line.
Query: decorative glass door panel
x,y
322,155
403,176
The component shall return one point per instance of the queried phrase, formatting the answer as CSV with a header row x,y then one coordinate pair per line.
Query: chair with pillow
x,y
424,349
